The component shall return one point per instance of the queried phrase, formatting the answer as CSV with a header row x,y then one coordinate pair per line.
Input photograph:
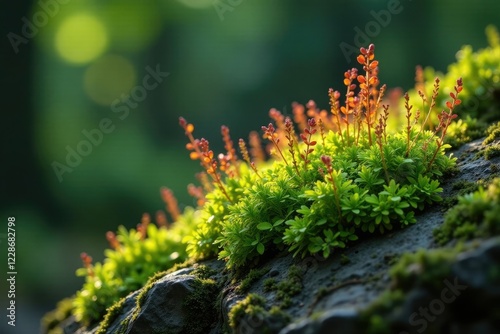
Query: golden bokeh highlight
x,y
81,38
108,78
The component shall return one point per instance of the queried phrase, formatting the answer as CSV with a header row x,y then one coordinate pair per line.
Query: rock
x,y
163,309
345,321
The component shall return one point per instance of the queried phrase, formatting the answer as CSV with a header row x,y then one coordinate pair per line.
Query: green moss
x,y
464,131
201,301
492,152
50,321
493,133
290,286
111,314
253,276
476,215
252,305
270,284
423,269
251,312
203,272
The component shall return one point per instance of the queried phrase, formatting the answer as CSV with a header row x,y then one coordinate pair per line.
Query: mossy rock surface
x,y
322,293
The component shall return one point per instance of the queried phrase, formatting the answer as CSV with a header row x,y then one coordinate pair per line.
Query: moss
x,y
252,305
50,321
476,215
253,276
270,284
464,131
201,301
493,133
251,312
290,286
112,314
423,269
492,152
203,272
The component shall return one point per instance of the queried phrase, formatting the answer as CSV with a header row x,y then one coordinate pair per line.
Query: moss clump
x,y
111,314
203,272
250,314
493,133
50,321
423,269
201,301
492,152
476,215
253,276
464,131
287,288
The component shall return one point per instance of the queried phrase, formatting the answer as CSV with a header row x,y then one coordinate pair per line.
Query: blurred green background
x,y
228,62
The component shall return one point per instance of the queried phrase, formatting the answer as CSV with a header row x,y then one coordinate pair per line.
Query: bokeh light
x,y
81,38
108,77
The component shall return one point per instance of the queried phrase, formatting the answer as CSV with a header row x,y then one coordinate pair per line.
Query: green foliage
x,y
201,243
51,320
480,72
333,177
465,130
256,223
128,266
476,215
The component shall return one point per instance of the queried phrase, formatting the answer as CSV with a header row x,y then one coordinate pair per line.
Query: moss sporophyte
x,y
322,179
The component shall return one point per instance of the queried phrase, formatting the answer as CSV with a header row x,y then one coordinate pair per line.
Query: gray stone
x,y
344,321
